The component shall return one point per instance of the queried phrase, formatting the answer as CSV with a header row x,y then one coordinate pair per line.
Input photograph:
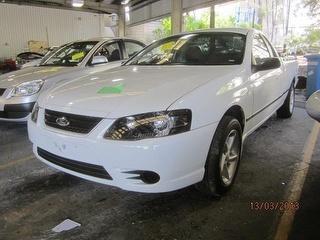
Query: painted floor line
x,y
14,162
296,184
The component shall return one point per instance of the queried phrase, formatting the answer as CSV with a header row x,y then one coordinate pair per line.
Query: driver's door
x,y
266,84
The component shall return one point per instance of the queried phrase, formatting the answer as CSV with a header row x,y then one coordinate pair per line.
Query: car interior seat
x,y
194,55
115,55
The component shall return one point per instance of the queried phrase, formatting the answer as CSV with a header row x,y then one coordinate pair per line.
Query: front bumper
x,y
16,112
16,109
178,160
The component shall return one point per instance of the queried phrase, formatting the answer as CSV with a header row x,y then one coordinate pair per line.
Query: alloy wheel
x,y
230,157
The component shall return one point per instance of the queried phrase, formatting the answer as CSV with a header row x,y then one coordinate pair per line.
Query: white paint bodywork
x,y
51,75
209,91
33,63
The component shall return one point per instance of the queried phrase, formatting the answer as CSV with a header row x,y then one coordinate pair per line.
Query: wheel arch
x,y
237,112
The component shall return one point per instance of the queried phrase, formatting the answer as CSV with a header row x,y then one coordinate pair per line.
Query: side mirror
x,y
267,64
99,60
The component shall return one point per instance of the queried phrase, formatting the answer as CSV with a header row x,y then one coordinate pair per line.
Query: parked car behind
x,y
313,106
174,115
37,61
19,90
7,65
26,57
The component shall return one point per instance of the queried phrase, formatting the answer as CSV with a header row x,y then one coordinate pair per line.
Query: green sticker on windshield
x,y
78,56
111,89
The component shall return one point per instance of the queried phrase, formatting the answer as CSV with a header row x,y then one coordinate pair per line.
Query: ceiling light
x,y
125,2
77,3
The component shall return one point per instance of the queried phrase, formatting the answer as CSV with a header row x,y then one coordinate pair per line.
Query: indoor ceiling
x,y
99,6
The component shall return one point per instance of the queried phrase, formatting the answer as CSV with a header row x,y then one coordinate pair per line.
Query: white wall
x,y
150,11
19,24
143,32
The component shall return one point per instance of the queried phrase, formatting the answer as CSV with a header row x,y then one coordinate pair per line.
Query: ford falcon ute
x,y
174,115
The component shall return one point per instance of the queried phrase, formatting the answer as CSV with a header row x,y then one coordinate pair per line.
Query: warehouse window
x,y
196,19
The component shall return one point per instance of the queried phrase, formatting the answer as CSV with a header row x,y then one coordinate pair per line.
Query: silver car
x,y
36,62
19,90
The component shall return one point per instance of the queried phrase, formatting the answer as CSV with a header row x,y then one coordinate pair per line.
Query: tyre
x,y
223,158
286,110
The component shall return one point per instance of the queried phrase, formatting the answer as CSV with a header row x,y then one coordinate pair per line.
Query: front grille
x,y
76,166
76,123
2,90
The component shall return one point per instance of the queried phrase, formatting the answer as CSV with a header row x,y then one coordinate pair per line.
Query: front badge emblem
x,y
62,121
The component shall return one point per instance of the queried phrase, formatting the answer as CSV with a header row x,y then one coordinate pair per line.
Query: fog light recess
x,y
148,177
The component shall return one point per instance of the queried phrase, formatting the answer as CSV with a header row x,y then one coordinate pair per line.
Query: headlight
x,y
27,88
34,113
150,125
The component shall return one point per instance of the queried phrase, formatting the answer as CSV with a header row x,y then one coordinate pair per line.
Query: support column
x,y
176,16
122,23
213,16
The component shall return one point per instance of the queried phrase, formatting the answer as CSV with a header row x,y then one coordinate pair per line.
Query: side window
x,y
259,50
111,51
270,47
132,48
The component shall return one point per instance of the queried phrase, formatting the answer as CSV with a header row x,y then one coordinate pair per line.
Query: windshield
x,y
50,52
218,48
70,55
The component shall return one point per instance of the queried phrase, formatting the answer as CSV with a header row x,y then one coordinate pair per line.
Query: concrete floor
x,y
34,198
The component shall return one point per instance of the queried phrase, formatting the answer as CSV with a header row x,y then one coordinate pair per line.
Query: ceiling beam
x,y
90,6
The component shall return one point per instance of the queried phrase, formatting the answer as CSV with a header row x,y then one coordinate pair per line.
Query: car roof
x,y
243,31
100,39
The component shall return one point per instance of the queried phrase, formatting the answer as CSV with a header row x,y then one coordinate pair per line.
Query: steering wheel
x,y
105,52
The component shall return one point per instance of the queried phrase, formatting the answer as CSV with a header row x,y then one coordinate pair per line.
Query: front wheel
x,y
223,158
286,110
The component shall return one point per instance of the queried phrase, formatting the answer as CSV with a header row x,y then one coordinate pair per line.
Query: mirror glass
x,y
99,60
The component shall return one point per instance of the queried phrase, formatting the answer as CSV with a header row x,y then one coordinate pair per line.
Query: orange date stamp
x,y
274,206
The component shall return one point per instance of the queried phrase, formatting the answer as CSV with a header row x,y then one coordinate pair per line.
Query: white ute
x,y
19,90
174,115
